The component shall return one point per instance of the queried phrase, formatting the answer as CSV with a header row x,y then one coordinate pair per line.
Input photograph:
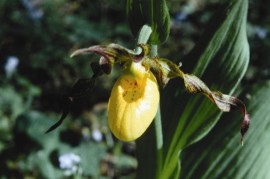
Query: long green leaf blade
x,y
222,157
220,58
151,12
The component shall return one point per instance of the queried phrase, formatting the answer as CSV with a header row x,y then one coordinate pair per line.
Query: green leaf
x,y
40,161
34,124
91,156
219,155
220,58
151,12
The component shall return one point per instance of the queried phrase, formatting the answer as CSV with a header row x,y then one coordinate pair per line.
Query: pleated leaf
x,y
151,12
220,59
219,154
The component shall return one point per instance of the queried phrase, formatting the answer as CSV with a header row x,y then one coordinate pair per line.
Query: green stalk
x,y
158,128
150,145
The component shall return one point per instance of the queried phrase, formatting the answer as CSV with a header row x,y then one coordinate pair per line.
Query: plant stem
x,y
150,146
158,128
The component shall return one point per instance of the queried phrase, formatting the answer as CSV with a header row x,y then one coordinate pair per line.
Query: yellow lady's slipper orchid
x,y
133,103
135,96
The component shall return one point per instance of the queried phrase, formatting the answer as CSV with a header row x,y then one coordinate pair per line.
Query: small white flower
x,y
97,135
261,32
69,162
11,65
33,8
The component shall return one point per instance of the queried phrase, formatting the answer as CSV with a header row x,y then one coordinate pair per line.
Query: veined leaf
x,y
151,12
220,58
219,154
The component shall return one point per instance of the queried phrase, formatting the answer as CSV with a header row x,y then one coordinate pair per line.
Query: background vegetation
x,y
36,38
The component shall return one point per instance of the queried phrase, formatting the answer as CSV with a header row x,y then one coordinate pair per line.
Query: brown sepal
x,y
224,102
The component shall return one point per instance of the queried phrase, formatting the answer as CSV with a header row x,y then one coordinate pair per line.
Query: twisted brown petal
x,y
114,53
223,102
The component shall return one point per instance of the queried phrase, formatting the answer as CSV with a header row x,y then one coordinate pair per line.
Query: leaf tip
x,y
244,127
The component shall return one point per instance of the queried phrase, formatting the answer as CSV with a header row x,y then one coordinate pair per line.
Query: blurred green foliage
x,y
41,35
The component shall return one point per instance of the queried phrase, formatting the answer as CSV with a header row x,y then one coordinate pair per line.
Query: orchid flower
x,y
134,99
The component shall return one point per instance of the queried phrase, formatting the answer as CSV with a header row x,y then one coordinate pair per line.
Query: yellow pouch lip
x,y
133,103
